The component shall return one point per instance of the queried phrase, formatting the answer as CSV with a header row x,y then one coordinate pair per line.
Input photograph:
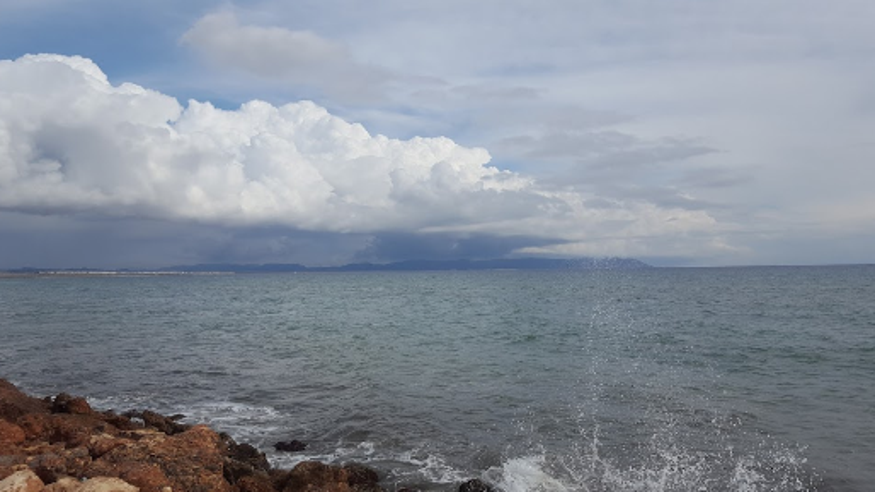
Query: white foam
x,y
526,474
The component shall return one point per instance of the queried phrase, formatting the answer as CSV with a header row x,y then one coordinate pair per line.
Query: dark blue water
x,y
743,379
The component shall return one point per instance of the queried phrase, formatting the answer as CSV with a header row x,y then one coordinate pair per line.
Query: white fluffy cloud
x,y
70,141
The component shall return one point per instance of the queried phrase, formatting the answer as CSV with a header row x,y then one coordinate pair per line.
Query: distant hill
x,y
426,265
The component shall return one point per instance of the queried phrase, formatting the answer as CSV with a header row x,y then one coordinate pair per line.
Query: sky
x,y
678,132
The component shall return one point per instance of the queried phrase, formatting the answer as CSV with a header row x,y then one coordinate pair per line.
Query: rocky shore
x,y
60,444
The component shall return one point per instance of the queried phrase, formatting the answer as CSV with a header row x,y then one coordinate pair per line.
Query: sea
x,y
656,379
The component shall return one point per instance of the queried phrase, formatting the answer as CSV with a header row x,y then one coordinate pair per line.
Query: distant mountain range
x,y
410,265
426,265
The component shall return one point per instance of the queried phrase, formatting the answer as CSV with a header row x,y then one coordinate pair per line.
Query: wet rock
x,y
164,424
64,403
290,446
243,460
255,484
312,476
64,443
476,485
360,475
22,481
247,453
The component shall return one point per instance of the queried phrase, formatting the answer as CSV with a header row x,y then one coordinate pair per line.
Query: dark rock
x,y
247,453
64,403
312,476
291,446
244,461
360,475
255,484
15,404
476,485
164,424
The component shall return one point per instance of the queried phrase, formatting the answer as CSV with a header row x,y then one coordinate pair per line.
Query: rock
x,y
312,476
101,444
22,481
10,434
97,484
62,462
247,453
290,446
243,460
255,484
360,475
106,484
164,424
64,403
63,442
191,461
476,485
14,403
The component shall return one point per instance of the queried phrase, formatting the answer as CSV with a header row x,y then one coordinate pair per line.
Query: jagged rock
x,y
64,403
255,484
164,424
312,476
22,481
243,460
291,446
59,463
247,453
190,461
101,444
476,485
64,443
14,403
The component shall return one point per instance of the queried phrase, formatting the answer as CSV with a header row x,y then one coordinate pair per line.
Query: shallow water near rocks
x,y
737,379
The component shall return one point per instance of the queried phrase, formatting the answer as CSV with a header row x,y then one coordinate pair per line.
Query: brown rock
x,y
22,481
191,461
10,434
164,424
64,403
312,476
14,403
254,483
66,484
101,444
97,484
106,484
64,462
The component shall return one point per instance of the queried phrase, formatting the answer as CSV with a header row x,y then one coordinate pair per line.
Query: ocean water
x,y
734,379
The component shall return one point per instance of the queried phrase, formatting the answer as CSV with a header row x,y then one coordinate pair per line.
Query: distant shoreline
x,y
101,273
408,265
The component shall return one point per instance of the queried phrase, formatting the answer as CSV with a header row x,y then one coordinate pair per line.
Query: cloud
x,y
297,57
72,143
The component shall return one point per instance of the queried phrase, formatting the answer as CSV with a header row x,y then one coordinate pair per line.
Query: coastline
x,y
61,444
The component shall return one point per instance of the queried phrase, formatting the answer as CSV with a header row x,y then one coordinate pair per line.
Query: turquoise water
x,y
741,379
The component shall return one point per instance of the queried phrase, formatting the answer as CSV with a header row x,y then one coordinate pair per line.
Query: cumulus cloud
x,y
72,142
